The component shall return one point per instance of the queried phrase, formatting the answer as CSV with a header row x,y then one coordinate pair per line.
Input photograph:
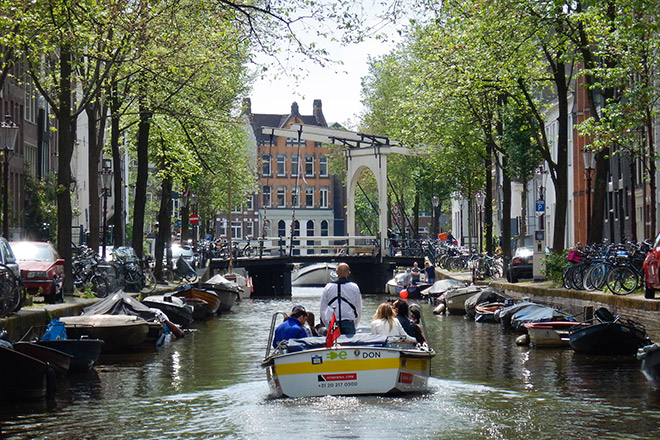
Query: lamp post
x,y
588,158
106,181
435,201
8,135
480,196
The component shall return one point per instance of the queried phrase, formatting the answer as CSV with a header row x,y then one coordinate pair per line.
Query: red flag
x,y
333,332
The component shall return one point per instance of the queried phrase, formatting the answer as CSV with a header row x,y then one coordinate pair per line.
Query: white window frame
x,y
281,162
323,166
269,202
281,196
309,160
324,194
309,192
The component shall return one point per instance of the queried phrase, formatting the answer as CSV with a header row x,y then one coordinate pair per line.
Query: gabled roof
x,y
258,120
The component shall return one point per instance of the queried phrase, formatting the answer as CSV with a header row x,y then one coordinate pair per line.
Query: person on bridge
x,y
343,299
292,327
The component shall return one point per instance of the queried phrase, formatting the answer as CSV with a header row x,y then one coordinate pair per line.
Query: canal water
x,y
210,385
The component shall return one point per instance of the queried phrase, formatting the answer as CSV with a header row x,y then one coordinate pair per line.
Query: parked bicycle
x,y
89,272
11,295
180,271
134,274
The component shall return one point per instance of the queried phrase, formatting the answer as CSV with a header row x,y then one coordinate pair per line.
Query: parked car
x,y
187,252
521,264
651,269
7,257
40,268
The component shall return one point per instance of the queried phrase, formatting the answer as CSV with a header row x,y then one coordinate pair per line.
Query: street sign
x,y
193,219
395,209
540,207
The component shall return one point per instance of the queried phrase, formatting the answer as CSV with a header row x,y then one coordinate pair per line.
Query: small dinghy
x,y
550,333
84,351
176,309
227,291
485,312
456,298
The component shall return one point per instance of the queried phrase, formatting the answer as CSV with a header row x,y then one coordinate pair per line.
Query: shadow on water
x,y
210,385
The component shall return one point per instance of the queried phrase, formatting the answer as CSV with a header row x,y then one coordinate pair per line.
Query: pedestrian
x,y
293,326
343,299
430,272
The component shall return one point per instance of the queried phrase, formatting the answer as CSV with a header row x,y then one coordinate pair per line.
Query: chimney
x,y
294,108
318,113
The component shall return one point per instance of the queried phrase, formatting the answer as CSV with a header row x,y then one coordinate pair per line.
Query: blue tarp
x,y
537,313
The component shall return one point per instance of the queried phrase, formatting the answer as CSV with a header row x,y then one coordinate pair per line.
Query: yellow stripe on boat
x,y
351,365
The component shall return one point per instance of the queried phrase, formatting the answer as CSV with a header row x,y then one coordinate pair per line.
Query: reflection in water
x,y
210,385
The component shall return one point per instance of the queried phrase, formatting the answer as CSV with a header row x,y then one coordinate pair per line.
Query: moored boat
x,y
210,298
58,360
244,284
485,312
608,334
360,364
84,351
119,332
650,357
455,299
317,274
227,291
23,376
176,309
550,333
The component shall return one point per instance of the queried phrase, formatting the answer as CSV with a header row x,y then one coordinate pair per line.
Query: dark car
x,y
652,270
521,264
41,269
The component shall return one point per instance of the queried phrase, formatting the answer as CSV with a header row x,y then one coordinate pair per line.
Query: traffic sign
x,y
395,209
193,219
540,207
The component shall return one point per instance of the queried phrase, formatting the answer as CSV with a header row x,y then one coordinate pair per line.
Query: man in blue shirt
x,y
292,327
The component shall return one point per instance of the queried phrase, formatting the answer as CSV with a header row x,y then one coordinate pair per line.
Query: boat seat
x,y
359,339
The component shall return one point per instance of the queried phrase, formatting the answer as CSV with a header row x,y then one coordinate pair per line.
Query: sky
x,y
338,86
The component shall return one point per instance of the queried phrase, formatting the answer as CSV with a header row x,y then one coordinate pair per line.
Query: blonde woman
x,y
384,323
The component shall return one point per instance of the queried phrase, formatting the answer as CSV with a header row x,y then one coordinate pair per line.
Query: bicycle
x,y
181,271
11,295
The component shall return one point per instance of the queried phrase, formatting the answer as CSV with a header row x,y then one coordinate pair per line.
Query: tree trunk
x,y
137,240
93,159
652,168
119,217
633,202
163,236
506,215
523,214
65,141
488,200
561,182
416,216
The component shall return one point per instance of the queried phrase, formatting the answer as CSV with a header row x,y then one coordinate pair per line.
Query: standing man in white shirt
x,y
343,299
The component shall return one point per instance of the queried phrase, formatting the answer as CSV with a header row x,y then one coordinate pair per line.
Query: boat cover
x,y
221,283
487,295
441,286
121,303
359,339
538,313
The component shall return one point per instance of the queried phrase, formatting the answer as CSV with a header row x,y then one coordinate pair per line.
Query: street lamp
x,y
589,159
106,181
435,201
481,197
8,135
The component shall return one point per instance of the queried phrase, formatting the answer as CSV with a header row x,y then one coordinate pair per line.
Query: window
x,y
295,197
281,229
265,159
309,166
324,197
310,228
31,155
266,229
309,197
249,229
281,165
296,228
30,101
237,230
249,205
324,228
222,229
323,166
281,196
266,193
236,208
294,165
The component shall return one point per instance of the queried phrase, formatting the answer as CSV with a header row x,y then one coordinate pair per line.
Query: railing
x,y
315,245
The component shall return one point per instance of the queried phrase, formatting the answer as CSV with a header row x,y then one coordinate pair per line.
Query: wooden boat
x,y
487,295
537,313
23,376
485,312
208,296
608,335
550,333
176,309
317,274
58,360
200,308
455,299
119,332
360,364
650,357
84,351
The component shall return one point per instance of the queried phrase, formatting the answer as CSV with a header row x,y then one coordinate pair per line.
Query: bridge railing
x,y
318,245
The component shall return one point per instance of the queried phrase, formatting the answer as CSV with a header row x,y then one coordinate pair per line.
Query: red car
x,y
41,269
652,270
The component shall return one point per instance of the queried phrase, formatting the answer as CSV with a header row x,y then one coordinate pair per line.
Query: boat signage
x,y
334,355
336,377
316,360
405,378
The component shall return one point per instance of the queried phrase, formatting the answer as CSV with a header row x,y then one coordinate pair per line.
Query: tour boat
x,y
359,364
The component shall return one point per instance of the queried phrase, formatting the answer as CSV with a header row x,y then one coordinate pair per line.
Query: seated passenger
x,y
292,327
401,308
384,323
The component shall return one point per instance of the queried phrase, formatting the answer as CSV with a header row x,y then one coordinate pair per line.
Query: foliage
x,y
555,263
40,212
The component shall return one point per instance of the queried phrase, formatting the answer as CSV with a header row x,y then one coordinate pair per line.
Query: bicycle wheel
x,y
149,282
622,280
99,286
247,252
10,293
599,275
